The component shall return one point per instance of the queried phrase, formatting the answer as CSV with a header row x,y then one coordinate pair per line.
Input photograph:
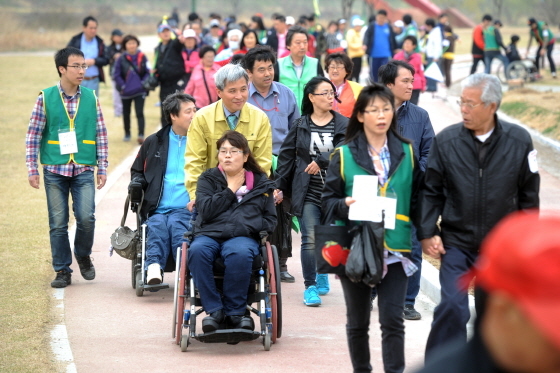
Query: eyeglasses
x,y
467,104
328,94
337,68
230,152
78,67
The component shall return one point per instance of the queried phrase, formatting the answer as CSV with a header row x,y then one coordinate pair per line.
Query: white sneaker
x,y
154,274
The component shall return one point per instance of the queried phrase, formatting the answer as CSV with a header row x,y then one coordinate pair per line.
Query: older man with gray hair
x,y
232,112
478,172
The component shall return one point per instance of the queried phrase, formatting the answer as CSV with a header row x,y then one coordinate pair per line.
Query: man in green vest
x,y
545,39
296,69
492,44
67,132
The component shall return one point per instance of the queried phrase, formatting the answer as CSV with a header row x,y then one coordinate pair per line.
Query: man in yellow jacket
x,y
231,112
355,48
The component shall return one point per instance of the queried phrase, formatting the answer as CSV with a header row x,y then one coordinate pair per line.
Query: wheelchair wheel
x,y
181,296
517,70
139,284
184,342
501,73
175,295
267,342
133,272
275,296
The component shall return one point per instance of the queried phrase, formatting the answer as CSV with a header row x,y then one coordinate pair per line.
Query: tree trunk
x,y
347,10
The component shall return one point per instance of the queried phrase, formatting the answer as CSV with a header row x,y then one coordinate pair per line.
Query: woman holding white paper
x,y
374,147
302,165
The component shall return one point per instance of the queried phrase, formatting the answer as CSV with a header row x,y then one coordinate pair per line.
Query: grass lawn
x,y
26,315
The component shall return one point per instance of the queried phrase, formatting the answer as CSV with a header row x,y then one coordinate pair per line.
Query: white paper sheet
x,y
369,206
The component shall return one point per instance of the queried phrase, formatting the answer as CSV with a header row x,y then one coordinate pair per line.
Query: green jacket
x,y
287,75
490,43
84,124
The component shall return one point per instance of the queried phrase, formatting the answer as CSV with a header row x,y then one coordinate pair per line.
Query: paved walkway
x,y
112,330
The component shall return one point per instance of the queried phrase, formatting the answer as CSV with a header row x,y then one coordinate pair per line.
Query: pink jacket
x,y
416,61
191,60
197,88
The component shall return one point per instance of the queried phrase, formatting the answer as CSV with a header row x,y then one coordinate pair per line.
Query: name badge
x,y
68,142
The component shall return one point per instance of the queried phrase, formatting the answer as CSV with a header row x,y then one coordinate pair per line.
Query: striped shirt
x,y
321,143
35,133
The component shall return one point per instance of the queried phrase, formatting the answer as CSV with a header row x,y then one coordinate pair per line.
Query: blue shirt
x,y
381,46
280,107
90,50
174,194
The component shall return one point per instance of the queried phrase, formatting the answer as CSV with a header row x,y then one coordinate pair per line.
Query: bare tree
x,y
347,8
550,11
235,5
498,6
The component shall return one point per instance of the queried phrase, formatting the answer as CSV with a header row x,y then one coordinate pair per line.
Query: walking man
x,y
67,132
478,172
379,43
93,48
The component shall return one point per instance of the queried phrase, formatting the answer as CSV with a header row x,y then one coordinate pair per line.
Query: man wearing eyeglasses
x,y
67,132
478,172
279,104
94,52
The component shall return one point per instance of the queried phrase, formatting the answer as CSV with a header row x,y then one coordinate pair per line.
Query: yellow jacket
x,y
209,124
355,42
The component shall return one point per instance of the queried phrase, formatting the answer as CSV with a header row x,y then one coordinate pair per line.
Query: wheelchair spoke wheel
x,y
175,295
139,284
517,70
181,296
274,273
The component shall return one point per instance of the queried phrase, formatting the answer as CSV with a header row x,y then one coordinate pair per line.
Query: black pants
x,y
139,110
357,61
165,89
415,96
447,71
549,48
391,293
476,60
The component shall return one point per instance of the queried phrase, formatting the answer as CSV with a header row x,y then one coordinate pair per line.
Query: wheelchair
x,y
138,272
264,290
525,70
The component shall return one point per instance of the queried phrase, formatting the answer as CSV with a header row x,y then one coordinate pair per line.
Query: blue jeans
x,y
58,189
489,56
375,64
92,84
310,217
452,313
391,291
238,254
165,235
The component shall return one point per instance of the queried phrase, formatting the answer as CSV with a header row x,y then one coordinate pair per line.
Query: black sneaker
x,y
86,267
212,322
410,313
241,322
62,280
286,277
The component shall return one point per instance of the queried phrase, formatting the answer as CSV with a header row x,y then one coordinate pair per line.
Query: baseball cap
x,y
498,22
214,23
520,257
116,32
531,21
290,20
399,23
190,33
357,22
342,20
163,27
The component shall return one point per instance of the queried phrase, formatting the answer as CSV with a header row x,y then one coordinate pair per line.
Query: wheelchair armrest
x,y
136,192
264,236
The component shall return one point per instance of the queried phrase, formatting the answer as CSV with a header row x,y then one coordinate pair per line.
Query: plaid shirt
x,y
385,158
35,133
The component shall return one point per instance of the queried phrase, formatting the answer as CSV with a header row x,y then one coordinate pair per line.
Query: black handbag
x,y
150,83
365,262
125,241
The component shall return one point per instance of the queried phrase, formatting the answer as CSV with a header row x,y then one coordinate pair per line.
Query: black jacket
x,y
170,66
221,217
334,196
149,169
272,39
472,194
414,124
294,158
369,37
101,59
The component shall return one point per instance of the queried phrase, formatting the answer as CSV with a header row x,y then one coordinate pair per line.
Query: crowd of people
x,y
261,126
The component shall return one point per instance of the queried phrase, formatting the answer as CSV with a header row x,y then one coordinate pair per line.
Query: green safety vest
x,y
399,184
84,124
490,43
288,76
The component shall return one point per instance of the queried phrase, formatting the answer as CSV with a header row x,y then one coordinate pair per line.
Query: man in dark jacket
x,y
158,170
478,172
414,124
380,44
169,65
94,51
477,50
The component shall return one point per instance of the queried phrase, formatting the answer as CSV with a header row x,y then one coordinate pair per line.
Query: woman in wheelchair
x,y
234,202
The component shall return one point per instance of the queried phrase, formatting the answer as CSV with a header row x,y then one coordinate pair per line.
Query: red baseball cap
x,y
521,258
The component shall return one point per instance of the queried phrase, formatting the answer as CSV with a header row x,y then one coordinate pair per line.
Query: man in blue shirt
x,y
279,103
93,48
159,171
379,43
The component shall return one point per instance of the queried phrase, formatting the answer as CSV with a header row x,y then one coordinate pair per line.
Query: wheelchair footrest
x,y
157,287
228,336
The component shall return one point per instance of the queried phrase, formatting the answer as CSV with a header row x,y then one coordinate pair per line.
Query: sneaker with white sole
x,y
311,297
323,286
153,277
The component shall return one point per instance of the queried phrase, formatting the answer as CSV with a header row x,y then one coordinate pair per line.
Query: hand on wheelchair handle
x,y
135,191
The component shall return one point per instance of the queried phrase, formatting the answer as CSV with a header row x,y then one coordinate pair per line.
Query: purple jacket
x,y
129,80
